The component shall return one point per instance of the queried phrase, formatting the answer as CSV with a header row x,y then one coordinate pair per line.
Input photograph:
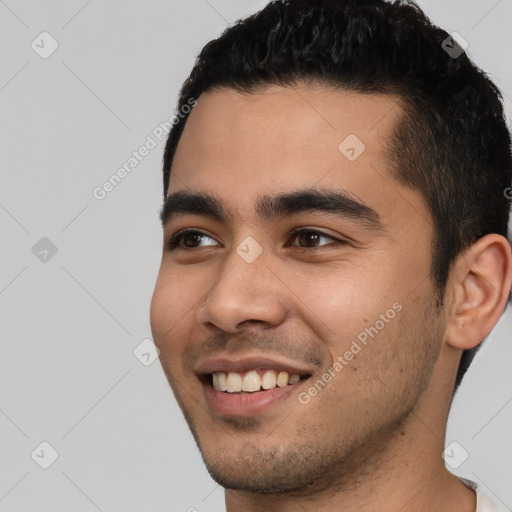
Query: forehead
x,y
292,121
279,139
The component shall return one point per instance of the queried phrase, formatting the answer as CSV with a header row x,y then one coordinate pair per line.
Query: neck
x,y
402,472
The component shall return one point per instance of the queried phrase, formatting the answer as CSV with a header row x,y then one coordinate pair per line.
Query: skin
x,y
372,438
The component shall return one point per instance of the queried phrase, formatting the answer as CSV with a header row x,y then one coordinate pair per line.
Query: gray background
x,y
69,325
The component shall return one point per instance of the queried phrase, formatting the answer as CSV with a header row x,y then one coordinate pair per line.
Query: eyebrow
x,y
270,208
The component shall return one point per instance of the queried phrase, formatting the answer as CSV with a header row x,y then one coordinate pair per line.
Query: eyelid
x,y
176,238
308,229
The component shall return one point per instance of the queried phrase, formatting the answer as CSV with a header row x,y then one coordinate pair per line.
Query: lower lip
x,y
246,404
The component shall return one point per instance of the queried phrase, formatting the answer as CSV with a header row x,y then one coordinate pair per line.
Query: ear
x,y
480,284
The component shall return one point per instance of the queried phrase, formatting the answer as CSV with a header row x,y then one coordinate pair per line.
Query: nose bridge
x,y
243,292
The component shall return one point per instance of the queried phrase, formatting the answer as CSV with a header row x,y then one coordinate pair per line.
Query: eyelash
x,y
173,243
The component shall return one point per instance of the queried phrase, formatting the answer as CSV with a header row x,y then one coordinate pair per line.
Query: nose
x,y
246,294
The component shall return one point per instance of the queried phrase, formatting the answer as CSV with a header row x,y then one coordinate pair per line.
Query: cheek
x,y
341,302
171,305
359,315
167,329
161,310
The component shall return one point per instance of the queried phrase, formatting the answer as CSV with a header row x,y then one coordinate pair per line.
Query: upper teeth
x,y
251,381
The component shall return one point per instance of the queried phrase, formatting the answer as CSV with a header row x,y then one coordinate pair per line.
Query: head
x,y
422,201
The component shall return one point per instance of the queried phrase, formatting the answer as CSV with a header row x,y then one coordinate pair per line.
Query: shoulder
x,y
483,502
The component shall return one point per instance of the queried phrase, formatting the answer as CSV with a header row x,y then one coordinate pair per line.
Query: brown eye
x,y
191,239
310,238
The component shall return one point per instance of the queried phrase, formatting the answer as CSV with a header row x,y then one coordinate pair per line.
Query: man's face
x,y
346,305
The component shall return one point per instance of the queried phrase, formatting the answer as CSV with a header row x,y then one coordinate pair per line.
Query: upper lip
x,y
243,364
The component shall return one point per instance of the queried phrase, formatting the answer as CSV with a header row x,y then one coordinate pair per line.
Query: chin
x,y
267,471
251,481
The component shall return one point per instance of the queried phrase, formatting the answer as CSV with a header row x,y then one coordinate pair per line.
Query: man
x,y
334,245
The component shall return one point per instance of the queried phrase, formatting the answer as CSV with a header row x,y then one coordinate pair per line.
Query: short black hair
x,y
452,144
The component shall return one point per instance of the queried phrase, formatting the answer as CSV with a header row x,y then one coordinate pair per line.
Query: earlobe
x,y
480,281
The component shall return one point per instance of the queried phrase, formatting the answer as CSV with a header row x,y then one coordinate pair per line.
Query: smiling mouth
x,y
260,379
